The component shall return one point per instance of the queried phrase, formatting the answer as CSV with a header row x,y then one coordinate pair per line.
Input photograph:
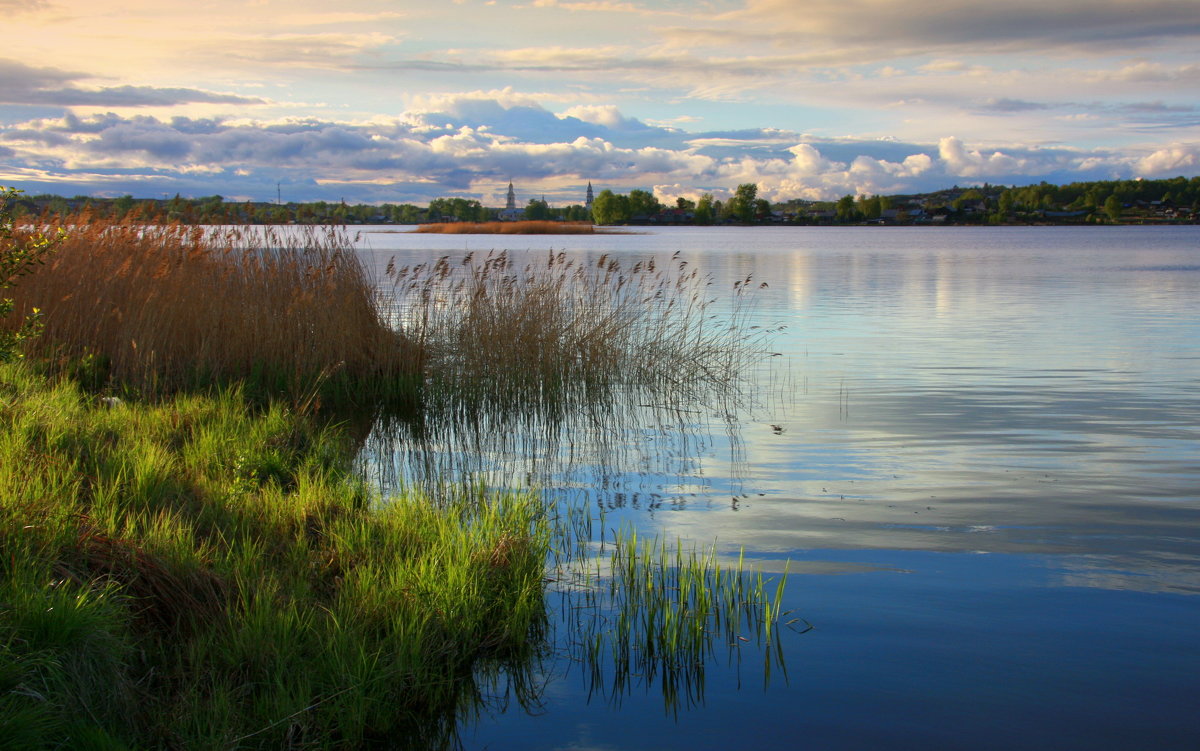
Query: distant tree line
x,y
1175,199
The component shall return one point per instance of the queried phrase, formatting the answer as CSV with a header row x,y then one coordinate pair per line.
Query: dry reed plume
x,y
560,321
509,228
172,306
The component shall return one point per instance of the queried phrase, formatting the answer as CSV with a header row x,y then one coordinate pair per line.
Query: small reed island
x,y
531,227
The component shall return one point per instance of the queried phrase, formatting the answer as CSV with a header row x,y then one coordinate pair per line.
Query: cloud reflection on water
x,y
942,390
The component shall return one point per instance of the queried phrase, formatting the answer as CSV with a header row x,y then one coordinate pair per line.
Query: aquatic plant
x,y
647,613
188,571
288,312
494,324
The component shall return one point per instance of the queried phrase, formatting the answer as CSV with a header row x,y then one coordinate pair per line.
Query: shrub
x,y
20,253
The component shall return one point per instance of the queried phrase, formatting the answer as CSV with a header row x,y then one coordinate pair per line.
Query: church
x,y
511,213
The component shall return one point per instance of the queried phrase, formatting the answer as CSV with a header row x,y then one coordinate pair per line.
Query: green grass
x,y
198,567
647,613
193,574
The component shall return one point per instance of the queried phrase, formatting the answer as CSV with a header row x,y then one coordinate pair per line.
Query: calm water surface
x,y
979,449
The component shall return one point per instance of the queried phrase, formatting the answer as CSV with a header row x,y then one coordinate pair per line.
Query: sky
x,y
372,101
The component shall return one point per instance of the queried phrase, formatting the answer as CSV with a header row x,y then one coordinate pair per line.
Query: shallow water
x,y
979,449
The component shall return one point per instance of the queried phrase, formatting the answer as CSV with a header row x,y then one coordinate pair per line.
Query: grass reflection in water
x,y
565,375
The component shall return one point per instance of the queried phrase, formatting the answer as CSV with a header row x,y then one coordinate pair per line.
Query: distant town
x,y
1168,201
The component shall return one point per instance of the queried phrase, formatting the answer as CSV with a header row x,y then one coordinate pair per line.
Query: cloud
x,y
1005,105
472,144
327,50
445,158
1151,72
523,118
969,25
28,85
604,6
808,161
959,161
1170,161
606,115
22,6
331,18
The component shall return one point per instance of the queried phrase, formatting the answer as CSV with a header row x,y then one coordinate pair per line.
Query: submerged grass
x,y
191,575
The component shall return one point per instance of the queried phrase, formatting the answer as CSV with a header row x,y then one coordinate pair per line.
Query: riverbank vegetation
x,y
550,322
187,556
1165,201
539,227
195,574
157,310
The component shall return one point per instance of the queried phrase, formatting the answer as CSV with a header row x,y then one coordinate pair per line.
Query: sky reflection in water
x,y
993,434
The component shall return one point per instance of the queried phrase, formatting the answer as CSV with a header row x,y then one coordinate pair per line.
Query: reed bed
x,y
195,575
531,227
184,571
558,323
163,308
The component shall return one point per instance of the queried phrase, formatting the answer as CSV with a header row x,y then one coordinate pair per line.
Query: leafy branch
x,y
20,254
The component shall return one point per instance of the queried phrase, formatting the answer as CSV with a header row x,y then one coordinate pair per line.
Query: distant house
x,y
673,216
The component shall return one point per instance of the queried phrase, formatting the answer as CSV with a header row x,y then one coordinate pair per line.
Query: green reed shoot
x,y
663,612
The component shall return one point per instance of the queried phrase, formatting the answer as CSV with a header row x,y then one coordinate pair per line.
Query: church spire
x,y
512,197
589,195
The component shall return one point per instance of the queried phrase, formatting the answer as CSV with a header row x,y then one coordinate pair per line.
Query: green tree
x,y
846,212
1006,202
610,208
741,206
122,206
643,203
704,209
685,204
19,254
576,213
869,207
1112,208
537,210
969,196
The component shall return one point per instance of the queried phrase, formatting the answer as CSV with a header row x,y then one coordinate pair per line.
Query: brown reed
x,y
560,320
167,307
509,228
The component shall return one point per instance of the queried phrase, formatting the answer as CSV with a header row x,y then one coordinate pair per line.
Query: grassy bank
x,y
194,575
286,313
509,228
194,565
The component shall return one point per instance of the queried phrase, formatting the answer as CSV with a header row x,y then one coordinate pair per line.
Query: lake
x,y
977,449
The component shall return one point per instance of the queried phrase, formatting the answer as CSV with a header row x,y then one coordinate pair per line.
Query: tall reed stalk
x,y
159,308
559,322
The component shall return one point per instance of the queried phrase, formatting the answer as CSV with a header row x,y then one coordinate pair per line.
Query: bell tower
x,y
589,195
512,197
